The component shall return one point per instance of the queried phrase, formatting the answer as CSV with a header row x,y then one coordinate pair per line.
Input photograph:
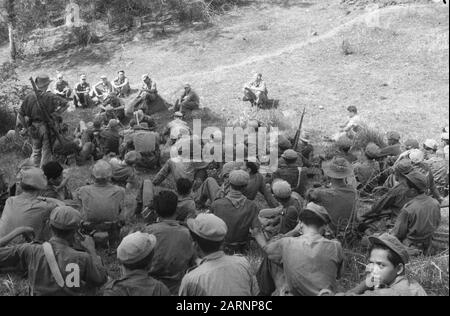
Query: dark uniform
x,y
41,138
136,283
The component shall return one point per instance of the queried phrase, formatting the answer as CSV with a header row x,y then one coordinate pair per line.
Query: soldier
x,y
239,213
256,91
339,199
32,119
217,274
82,93
135,253
62,87
257,184
189,100
436,163
102,90
174,253
121,85
290,170
91,143
28,208
186,204
394,147
57,184
367,172
110,138
124,174
55,268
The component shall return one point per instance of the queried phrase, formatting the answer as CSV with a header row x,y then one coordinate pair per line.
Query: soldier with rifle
x,y
38,114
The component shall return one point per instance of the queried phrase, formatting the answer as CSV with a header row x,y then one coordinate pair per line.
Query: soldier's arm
x,y
400,229
267,195
95,272
16,256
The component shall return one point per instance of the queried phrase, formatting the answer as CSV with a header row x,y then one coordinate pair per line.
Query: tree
x,y
7,9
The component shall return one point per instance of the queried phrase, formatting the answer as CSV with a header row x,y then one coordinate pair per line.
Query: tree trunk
x,y
12,42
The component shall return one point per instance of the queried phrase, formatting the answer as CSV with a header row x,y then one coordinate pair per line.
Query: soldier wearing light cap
x,y
189,100
437,164
394,147
290,169
217,274
135,253
52,266
239,213
29,209
300,257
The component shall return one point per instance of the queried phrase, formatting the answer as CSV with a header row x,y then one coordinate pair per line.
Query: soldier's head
x,y
314,217
184,187
252,167
166,204
146,78
430,146
281,190
64,222
208,232
104,79
352,111
54,172
258,77
402,168
411,144
42,82
102,172
393,138
239,180
60,77
136,250
121,74
417,181
290,156
83,78
187,87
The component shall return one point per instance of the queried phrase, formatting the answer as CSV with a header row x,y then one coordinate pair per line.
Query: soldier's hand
x,y
88,243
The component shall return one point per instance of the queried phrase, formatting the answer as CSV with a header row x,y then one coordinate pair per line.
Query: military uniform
x,y
257,184
186,208
146,143
173,254
40,135
136,283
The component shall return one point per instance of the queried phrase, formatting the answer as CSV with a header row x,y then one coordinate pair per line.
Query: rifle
x,y
48,119
299,131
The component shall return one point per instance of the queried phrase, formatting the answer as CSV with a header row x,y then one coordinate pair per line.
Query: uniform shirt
x,y
82,87
338,201
257,184
401,287
104,88
26,210
101,203
120,81
174,253
136,283
220,275
186,208
438,167
311,262
289,173
61,85
31,258
418,220
110,141
239,217
48,100
431,184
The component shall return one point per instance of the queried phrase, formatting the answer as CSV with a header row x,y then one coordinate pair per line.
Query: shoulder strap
x,y
54,268
299,176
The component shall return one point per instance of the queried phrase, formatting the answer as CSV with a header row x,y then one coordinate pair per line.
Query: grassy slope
x,y
407,92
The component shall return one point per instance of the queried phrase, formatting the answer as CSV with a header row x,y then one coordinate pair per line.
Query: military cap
x,y
430,144
65,218
239,178
187,85
102,170
372,151
83,77
290,154
208,226
418,179
35,178
445,136
132,157
229,167
113,123
178,114
403,166
284,143
393,136
416,156
338,168
412,144
392,243
281,189
135,247
42,81
319,211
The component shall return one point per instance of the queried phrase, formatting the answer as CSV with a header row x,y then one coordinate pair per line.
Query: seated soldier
x,y
82,93
110,138
91,143
217,274
306,150
145,141
394,147
62,87
177,127
419,219
136,254
344,145
417,158
186,204
386,209
437,164
102,201
352,126
256,91
174,254
112,107
257,184
189,101
386,271
239,213
340,198
367,171
121,85
56,182
124,175
102,90
148,92
28,208
290,170
50,266
311,263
